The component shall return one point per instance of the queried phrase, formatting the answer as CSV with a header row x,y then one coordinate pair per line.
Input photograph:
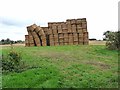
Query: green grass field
x,y
82,66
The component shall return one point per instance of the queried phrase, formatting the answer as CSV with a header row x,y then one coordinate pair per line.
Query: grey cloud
x,y
13,22
9,22
20,23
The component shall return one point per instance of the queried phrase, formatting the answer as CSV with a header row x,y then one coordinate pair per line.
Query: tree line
x,y
8,41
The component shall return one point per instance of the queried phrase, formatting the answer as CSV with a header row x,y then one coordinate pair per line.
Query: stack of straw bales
x,y
71,32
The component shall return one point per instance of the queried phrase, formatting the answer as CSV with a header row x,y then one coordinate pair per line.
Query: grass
x,y
88,66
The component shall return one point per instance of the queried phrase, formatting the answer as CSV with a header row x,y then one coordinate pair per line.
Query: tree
x,y
8,40
112,40
2,40
19,41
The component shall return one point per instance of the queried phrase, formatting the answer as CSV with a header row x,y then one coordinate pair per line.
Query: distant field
x,y
97,42
90,43
13,45
81,66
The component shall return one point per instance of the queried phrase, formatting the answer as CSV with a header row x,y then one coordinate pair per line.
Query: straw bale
x,y
79,26
84,25
50,24
59,28
78,21
31,44
75,42
69,28
61,43
73,21
66,43
38,29
83,19
64,25
61,35
74,28
68,21
55,31
75,36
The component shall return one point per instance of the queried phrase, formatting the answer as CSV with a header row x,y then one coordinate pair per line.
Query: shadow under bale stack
x,y
71,32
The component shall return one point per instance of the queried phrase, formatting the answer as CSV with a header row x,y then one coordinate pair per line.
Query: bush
x,y
11,62
112,40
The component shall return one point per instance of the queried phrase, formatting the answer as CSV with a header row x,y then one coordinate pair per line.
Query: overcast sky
x,y
15,15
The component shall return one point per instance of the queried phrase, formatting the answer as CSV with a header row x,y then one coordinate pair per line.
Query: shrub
x,y
11,62
112,40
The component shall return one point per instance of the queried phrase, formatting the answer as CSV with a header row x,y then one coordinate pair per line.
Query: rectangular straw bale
x,y
65,37
43,38
69,28
59,27
86,42
32,44
83,19
61,43
50,31
61,40
37,29
68,22
66,43
56,38
54,28
81,42
45,29
54,25
55,31
79,26
75,36
78,21
84,30
70,38
51,40
27,44
42,32
80,31
50,25
56,44
36,38
81,38
74,28
84,25
31,39
80,35
27,37
64,25
27,40
61,35
56,41
64,28
73,21
75,42
32,27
